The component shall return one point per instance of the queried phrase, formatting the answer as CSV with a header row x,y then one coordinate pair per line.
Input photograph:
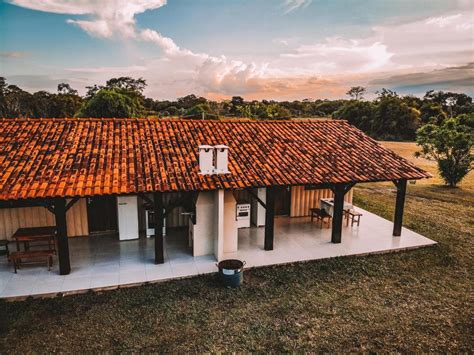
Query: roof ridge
x,y
170,119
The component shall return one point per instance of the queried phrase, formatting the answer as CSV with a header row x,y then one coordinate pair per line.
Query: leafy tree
x,y
237,101
189,101
111,103
43,102
453,103
199,109
125,90
450,144
432,113
249,110
275,111
171,111
65,105
14,102
356,92
327,107
393,118
65,89
92,90
126,83
357,113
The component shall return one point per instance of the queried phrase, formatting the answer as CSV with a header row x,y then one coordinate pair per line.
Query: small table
x,y
34,235
354,216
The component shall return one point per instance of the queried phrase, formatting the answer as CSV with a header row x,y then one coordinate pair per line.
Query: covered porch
x,y
103,262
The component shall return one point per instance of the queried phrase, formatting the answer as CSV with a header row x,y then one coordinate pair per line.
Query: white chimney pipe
x,y
222,159
206,156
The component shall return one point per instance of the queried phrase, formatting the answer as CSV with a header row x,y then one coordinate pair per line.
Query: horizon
x,y
283,50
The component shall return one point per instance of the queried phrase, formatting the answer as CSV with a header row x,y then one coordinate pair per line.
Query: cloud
x,y
459,77
292,5
37,82
13,54
165,43
431,42
122,70
108,18
337,55
395,54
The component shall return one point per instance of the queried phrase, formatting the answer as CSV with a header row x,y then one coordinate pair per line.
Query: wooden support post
x,y
400,203
63,243
269,218
339,191
159,215
337,213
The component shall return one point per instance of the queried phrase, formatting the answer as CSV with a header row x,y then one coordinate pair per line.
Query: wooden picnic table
x,y
36,235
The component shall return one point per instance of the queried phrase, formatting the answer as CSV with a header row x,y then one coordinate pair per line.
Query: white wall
x,y
215,231
219,224
202,233
231,237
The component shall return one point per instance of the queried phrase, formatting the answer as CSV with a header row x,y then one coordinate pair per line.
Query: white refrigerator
x,y
127,212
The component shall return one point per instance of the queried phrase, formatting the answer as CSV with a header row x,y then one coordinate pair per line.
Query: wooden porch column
x,y
339,191
158,213
400,203
269,218
63,243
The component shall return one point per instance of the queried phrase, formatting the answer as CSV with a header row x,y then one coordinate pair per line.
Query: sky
x,y
257,49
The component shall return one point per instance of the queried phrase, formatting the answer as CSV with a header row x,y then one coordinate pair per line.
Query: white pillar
x,y
202,233
219,224
231,237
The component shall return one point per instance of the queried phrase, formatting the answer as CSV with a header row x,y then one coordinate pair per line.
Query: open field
x,y
420,300
408,149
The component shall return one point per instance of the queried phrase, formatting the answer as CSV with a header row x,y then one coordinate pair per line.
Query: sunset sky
x,y
273,49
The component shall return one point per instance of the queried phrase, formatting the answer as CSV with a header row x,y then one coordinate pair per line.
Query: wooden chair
x,y
18,257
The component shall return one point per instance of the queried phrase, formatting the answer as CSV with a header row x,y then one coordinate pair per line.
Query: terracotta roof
x,y
84,157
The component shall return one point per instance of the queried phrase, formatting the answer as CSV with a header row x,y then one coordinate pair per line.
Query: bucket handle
x,y
243,263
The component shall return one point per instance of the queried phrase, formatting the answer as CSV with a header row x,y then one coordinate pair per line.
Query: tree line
x,y
389,116
442,123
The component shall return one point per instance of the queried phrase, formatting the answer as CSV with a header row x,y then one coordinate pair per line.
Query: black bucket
x,y
231,272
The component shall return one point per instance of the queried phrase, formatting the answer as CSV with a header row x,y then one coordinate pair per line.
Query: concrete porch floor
x,y
99,262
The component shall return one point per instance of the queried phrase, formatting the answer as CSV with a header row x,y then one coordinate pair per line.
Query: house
x,y
90,175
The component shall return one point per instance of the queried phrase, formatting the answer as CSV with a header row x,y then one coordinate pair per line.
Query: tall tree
x,y
65,89
393,118
126,83
356,92
111,103
450,145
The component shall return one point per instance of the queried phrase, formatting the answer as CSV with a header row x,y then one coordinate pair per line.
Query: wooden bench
x,y
321,215
354,216
18,257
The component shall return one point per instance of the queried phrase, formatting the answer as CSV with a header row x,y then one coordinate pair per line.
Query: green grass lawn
x,y
421,300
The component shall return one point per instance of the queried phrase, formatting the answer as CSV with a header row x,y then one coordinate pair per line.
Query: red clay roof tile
x,y
83,157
